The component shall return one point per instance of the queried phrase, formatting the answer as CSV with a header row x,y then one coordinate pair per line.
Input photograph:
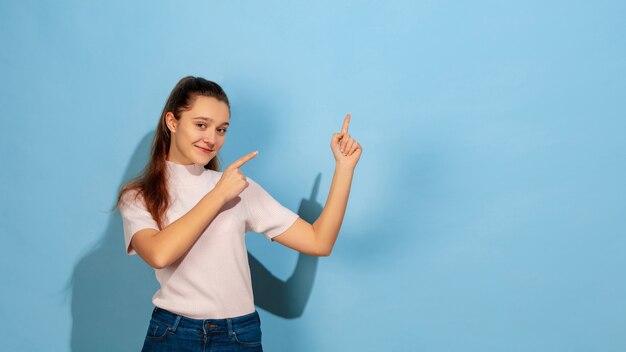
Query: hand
x,y
346,150
233,182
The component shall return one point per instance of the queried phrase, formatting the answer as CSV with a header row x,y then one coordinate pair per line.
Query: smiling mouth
x,y
205,150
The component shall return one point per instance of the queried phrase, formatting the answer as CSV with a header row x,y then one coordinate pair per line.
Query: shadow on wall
x,y
112,292
288,298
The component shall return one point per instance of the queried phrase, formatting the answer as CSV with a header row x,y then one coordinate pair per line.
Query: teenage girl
x,y
188,221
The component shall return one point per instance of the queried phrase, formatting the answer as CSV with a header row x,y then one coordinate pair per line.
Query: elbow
x,y
322,248
152,260
323,251
158,262
157,266
324,254
150,250
154,264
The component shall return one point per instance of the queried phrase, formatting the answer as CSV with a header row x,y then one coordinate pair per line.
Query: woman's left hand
x,y
346,149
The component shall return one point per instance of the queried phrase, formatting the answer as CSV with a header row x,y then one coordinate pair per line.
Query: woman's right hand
x,y
233,182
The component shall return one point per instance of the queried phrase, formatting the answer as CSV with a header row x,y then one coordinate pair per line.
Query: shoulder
x,y
252,185
131,197
253,191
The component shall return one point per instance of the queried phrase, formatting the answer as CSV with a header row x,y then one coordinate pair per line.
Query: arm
x,y
327,226
162,248
319,238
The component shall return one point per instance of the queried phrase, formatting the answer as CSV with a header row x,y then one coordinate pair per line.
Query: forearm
x,y
327,225
176,239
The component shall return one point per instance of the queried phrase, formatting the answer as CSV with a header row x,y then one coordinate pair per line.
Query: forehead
x,y
208,107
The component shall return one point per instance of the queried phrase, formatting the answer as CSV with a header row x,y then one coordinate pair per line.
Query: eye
x,y
201,125
221,130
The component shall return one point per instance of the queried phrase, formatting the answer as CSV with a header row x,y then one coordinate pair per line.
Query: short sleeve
x,y
135,217
265,215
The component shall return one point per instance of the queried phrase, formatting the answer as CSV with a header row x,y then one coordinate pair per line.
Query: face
x,y
199,133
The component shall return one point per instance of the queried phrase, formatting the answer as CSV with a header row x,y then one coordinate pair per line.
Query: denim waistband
x,y
175,321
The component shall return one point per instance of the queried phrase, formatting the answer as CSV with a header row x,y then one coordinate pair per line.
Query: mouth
x,y
204,150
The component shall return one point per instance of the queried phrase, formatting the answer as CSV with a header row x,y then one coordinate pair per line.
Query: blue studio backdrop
x,y
487,212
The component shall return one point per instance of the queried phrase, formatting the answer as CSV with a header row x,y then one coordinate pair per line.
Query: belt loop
x,y
229,324
175,325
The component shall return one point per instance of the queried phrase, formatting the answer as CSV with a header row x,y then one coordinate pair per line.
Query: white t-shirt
x,y
212,280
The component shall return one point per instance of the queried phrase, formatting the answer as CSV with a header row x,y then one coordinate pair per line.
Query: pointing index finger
x,y
244,159
346,122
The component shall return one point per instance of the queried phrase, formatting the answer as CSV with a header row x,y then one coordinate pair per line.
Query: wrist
x,y
215,195
342,166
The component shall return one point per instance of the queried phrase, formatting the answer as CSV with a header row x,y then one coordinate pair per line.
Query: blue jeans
x,y
172,332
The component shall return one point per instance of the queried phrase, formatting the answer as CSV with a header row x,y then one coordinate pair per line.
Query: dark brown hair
x,y
152,183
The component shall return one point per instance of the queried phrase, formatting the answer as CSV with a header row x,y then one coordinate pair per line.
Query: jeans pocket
x,y
157,330
250,336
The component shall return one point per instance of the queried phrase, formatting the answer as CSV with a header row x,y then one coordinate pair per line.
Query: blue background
x,y
486,214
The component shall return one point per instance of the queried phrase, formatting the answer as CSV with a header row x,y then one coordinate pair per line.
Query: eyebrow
x,y
208,119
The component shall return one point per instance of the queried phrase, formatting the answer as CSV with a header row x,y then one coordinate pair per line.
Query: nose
x,y
209,139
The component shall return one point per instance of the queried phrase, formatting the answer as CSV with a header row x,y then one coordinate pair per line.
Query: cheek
x,y
192,136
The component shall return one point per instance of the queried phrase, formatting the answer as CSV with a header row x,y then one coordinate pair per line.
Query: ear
x,y
171,122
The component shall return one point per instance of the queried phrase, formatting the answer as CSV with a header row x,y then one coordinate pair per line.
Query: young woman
x,y
187,221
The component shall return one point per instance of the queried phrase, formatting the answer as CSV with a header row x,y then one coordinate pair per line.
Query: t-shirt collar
x,y
184,174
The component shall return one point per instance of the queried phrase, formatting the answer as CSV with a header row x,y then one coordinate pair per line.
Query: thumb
x,y
337,137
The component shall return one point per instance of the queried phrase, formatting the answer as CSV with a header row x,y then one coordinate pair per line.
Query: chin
x,y
200,158
202,161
